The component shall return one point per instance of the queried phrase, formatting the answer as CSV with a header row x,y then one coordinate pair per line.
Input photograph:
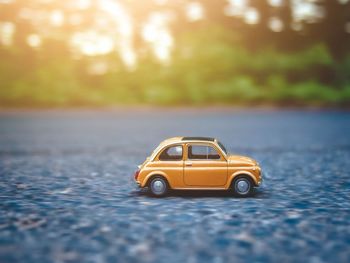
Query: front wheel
x,y
158,186
242,186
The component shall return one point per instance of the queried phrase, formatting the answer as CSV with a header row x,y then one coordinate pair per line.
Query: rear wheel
x,y
158,186
242,186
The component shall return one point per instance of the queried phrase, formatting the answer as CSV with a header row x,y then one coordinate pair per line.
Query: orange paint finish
x,y
197,163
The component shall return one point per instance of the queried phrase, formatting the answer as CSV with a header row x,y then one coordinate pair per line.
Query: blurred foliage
x,y
210,64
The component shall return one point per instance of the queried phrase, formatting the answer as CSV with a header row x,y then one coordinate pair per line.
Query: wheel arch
x,y
244,173
154,174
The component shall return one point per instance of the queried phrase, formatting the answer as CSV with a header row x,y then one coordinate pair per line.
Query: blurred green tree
x,y
263,52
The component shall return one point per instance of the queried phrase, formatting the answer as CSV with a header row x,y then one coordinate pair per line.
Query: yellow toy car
x,y
197,163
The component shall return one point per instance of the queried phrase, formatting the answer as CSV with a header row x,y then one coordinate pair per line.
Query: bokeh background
x,y
67,192
56,53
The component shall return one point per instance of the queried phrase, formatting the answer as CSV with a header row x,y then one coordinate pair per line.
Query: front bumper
x,y
260,179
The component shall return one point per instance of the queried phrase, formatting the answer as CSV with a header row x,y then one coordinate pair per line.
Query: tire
x,y
242,186
158,186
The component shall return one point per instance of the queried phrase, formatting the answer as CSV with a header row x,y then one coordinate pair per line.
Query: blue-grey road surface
x,y
67,192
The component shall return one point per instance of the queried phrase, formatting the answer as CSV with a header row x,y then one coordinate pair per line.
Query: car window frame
x,y
167,147
222,147
222,158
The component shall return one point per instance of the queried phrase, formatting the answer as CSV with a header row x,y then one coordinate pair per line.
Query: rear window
x,y
172,153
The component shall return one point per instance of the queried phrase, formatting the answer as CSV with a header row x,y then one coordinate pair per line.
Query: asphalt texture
x,y
67,193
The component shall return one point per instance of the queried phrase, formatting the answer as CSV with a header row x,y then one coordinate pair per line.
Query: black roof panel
x,y
198,139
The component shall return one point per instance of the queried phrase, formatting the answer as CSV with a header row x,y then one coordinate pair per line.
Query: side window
x,y
202,152
172,153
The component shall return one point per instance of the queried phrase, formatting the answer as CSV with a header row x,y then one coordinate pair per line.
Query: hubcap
x,y
242,186
158,186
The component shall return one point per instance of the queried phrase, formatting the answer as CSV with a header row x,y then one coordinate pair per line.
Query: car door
x,y
170,161
204,166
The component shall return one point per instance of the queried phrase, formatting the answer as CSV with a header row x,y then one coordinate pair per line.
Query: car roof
x,y
187,139
210,139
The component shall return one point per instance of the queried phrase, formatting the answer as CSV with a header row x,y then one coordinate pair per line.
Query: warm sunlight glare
x,y
114,31
90,43
156,33
7,30
100,27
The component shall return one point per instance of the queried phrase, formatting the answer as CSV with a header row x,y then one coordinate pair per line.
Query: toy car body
x,y
197,163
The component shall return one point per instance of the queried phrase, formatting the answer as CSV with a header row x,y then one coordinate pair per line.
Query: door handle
x,y
188,164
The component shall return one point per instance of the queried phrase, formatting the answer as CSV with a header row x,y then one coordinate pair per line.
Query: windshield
x,y
222,147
